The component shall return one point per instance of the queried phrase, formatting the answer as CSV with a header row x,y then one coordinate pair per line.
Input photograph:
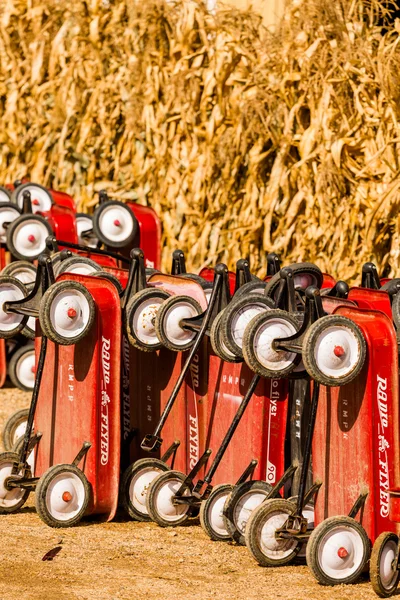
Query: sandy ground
x,y
124,559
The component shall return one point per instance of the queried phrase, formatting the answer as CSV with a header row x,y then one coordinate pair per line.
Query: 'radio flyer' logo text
x,y
193,416
105,401
383,447
126,404
273,411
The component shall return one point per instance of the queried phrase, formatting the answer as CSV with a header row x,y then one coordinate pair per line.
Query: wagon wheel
x,y
80,265
15,427
258,338
334,350
26,236
240,504
382,565
21,368
84,224
168,322
67,312
159,500
11,499
62,496
211,513
22,270
11,290
338,550
41,198
217,342
115,224
140,317
135,483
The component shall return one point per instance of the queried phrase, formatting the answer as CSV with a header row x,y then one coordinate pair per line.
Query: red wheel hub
x,y
71,313
342,553
31,238
35,202
338,351
117,223
67,496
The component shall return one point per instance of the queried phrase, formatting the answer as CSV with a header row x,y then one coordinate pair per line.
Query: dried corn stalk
x,y
243,141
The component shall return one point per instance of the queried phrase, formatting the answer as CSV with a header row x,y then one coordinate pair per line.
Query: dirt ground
x,y
123,559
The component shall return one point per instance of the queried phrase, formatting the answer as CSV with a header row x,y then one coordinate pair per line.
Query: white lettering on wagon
x,y
273,411
383,447
193,415
105,401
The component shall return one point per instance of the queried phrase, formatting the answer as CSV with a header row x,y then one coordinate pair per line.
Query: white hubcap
x,y
65,496
19,432
30,237
41,200
340,552
9,293
85,224
337,351
7,215
247,503
69,313
272,547
387,569
144,319
139,486
273,329
116,223
81,268
165,508
215,511
24,275
242,318
8,498
25,369
173,330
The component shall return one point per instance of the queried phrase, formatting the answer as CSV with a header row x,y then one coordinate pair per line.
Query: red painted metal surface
x,y
371,299
178,286
394,505
328,281
63,199
356,441
149,239
79,400
208,275
330,304
62,221
261,432
152,378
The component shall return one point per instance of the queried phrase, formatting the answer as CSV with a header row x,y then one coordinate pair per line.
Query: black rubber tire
x,y
151,498
15,210
126,479
12,457
396,311
240,304
13,332
11,230
253,530
13,364
297,268
112,278
45,312
217,344
16,194
99,234
249,336
162,315
18,266
251,287
206,506
232,501
5,194
11,425
41,493
310,342
74,260
317,537
27,331
133,305
379,587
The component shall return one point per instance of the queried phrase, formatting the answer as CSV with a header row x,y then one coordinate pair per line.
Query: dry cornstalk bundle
x,y
244,141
